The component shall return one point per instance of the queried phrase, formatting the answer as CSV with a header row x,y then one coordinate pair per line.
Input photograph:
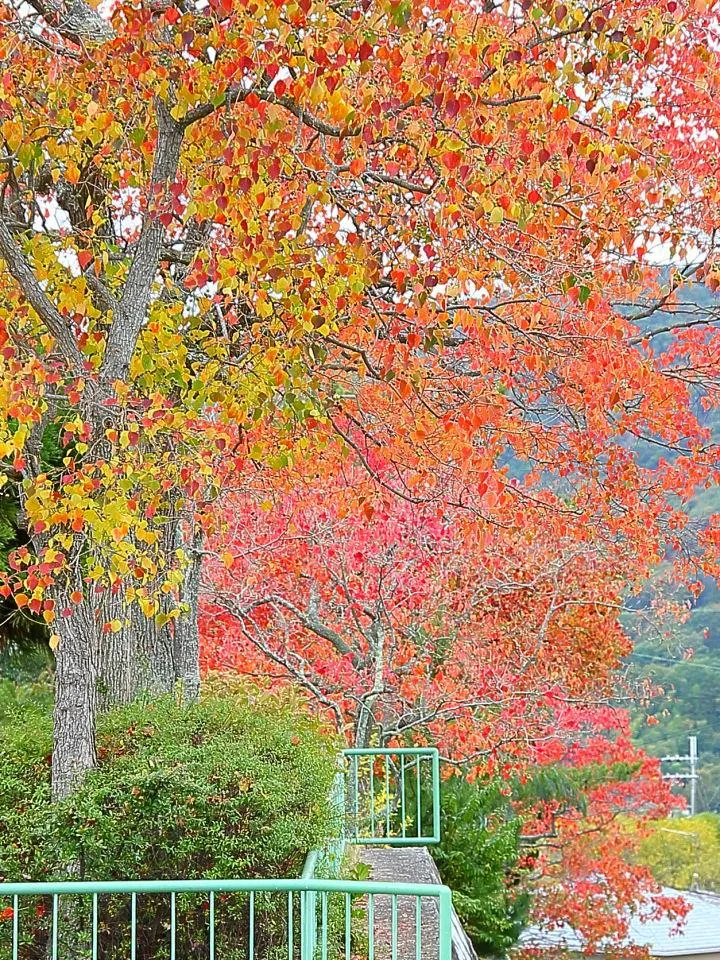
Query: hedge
x,y
233,787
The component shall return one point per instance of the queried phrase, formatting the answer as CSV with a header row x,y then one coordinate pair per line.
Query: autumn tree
x,y
557,842
682,853
409,620
583,823
404,625
215,215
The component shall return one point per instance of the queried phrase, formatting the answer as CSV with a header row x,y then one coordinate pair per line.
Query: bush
x,y
233,787
479,858
18,695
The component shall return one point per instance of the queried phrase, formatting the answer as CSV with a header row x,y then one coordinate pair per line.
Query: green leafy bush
x,y
233,787
20,695
480,859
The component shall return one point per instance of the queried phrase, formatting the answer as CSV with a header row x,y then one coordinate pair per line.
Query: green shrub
x,y
233,787
479,858
20,694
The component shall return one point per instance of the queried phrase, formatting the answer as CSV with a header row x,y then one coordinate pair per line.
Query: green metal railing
x,y
299,919
385,791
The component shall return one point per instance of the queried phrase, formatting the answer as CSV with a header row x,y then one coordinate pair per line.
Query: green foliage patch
x,y
481,860
684,852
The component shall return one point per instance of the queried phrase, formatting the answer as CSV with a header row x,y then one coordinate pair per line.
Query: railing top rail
x,y
302,885
390,751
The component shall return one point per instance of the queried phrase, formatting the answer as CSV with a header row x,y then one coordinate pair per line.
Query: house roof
x,y
698,934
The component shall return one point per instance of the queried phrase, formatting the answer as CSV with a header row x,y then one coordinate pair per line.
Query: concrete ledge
x,y
410,865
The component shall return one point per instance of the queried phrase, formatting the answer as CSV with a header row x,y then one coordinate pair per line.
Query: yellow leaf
x,y
13,132
317,93
337,107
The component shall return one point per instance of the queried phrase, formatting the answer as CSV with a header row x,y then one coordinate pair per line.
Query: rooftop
x,y
699,933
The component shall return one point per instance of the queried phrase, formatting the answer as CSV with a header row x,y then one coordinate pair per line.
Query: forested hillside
x,y
686,664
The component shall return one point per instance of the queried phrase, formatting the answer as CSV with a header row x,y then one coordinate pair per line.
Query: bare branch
x,y
705,320
309,622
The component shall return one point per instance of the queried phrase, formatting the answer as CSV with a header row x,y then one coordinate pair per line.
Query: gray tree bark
x,y
76,700
365,723
136,659
96,670
187,634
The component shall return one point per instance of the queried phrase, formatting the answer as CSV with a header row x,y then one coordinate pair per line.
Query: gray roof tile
x,y
698,934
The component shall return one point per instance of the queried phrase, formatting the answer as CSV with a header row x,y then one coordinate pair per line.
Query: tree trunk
x,y
138,658
117,670
187,635
366,719
75,700
135,659
97,667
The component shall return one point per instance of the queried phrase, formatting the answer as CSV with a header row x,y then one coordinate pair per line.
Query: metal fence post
x,y
377,830
308,924
446,925
436,796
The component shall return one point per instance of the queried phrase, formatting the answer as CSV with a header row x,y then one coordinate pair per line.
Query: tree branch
x,y
310,623
133,305
74,20
283,661
705,320
238,93
43,306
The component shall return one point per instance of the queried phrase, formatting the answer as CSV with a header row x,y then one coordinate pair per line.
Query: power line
x,y
674,660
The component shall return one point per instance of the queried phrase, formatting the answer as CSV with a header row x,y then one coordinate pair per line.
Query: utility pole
x,y
691,777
